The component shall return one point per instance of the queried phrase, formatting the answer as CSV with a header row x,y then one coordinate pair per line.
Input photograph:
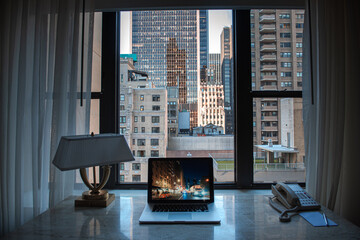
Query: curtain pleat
x,y
40,55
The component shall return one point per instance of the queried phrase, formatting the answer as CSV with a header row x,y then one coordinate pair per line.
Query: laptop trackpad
x,y
179,216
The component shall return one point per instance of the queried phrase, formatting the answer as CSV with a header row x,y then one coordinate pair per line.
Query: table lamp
x,y
83,151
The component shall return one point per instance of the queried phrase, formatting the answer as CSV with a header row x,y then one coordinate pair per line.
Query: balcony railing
x,y
278,166
268,67
269,118
268,58
268,48
268,78
268,38
269,108
267,28
266,11
268,87
267,18
264,128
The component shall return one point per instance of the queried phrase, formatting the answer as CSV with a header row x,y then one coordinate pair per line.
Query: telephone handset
x,y
293,198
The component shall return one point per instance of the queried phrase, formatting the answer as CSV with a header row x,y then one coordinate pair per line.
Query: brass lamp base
x,y
80,202
95,197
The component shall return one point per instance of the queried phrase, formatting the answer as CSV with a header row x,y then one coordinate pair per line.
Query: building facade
x,y
276,45
214,69
143,121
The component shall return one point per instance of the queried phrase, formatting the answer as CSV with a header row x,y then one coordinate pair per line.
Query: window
x,y
286,64
141,108
299,45
285,25
136,178
285,54
299,64
285,35
122,97
156,98
299,35
285,74
135,118
300,16
141,97
284,16
141,142
299,25
154,153
299,74
285,44
122,119
122,166
156,108
122,178
122,130
142,129
155,119
142,118
155,130
299,84
140,153
135,130
122,107
299,54
136,166
154,142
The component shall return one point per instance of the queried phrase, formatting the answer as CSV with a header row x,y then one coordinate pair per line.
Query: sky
x,y
218,19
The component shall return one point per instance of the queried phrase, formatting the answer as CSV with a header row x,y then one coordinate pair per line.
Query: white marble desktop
x,y
245,214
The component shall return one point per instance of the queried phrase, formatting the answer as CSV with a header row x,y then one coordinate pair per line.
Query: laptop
x,y
180,190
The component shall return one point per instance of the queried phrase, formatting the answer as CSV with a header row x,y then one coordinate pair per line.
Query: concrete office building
x,y
277,65
214,69
143,120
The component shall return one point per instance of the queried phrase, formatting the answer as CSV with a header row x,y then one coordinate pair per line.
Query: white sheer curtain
x,y
332,120
40,58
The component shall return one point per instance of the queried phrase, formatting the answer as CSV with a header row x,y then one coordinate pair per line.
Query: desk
x,y
245,214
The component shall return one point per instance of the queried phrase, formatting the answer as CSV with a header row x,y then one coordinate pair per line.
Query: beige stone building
x,y
143,121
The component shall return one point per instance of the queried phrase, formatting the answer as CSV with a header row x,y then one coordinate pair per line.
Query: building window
x,y
122,130
299,64
154,142
299,35
285,25
142,118
156,108
285,74
122,166
122,97
286,64
299,84
141,153
285,44
141,108
133,141
154,153
155,129
135,130
122,178
285,35
141,142
284,16
141,97
299,74
299,54
122,107
285,54
136,166
299,45
155,119
135,118
136,178
299,25
142,129
300,16
156,98
122,119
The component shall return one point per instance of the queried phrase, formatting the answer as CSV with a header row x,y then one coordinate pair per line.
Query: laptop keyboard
x,y
181,208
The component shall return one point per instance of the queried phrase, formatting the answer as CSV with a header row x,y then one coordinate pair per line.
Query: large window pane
x,y
176,75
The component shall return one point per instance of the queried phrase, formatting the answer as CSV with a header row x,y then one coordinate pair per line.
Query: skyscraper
x,y
151,33
226,59
214,69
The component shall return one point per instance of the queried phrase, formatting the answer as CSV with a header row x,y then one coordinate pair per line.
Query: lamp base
x,y
81,202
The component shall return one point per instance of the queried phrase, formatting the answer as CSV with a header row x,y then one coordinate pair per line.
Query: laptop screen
x,y
180,179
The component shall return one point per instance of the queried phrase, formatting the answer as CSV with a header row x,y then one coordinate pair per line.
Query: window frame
x,y
243,97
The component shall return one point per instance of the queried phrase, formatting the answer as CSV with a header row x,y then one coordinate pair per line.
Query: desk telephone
x,y
293,198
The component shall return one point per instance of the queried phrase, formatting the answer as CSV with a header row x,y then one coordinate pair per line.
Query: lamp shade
x,y
84,151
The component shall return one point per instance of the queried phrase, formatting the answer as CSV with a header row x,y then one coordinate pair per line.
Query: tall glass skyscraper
x,y
159,36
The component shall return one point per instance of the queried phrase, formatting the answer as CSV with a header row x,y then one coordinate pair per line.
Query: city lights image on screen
x,y
181,180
